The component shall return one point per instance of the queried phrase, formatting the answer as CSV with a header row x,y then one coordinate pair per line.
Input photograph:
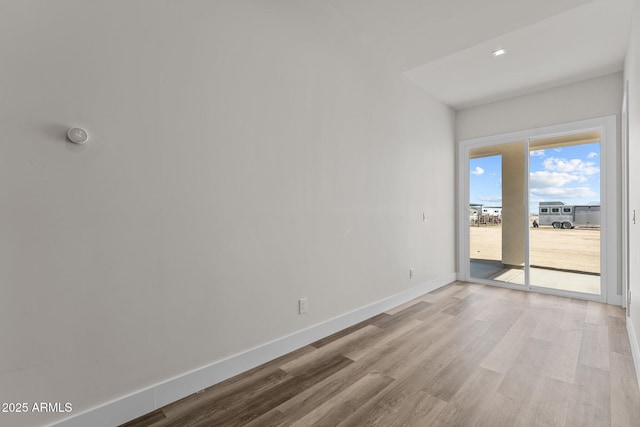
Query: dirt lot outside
x,y
577,249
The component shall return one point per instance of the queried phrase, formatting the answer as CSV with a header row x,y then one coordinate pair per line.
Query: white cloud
x,y
542,179
537,153
564,193
490,199
591,155
559,172
573,166
477,171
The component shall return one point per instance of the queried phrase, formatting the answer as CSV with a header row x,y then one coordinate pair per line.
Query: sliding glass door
x,y
534,213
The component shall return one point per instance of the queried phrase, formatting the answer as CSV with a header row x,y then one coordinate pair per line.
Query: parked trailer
x,y
561,215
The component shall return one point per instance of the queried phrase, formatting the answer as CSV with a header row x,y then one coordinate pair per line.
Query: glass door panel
x,y
564,206
496,212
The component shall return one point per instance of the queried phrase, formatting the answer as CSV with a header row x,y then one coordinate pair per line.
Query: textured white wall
x,y
587,99
242,154
632,74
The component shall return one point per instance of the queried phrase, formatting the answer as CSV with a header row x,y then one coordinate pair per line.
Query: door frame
x,y
624,211
609,241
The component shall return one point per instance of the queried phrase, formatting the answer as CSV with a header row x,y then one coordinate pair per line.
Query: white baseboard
x,y
149,399
635,350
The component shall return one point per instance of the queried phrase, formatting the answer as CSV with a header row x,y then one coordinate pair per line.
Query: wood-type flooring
x,y
463,355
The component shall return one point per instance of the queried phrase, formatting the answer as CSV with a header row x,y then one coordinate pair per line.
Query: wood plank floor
x,y
464,355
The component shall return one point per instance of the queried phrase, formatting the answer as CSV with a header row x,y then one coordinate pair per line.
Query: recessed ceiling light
x,y
499,52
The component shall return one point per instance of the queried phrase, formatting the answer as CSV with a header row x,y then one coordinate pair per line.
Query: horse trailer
x,y
560,215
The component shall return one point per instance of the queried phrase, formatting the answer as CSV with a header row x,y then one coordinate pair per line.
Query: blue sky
x,y
567,174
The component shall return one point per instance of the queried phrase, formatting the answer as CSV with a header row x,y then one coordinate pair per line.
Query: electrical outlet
x,y
303,305
411,273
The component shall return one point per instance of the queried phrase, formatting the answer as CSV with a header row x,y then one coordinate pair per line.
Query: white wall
x,y
587,99
632,74
583,100
242,155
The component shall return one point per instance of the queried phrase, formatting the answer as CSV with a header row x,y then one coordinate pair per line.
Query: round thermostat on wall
x,y
77,135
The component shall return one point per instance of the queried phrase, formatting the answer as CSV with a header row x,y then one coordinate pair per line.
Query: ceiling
x,y
445,45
